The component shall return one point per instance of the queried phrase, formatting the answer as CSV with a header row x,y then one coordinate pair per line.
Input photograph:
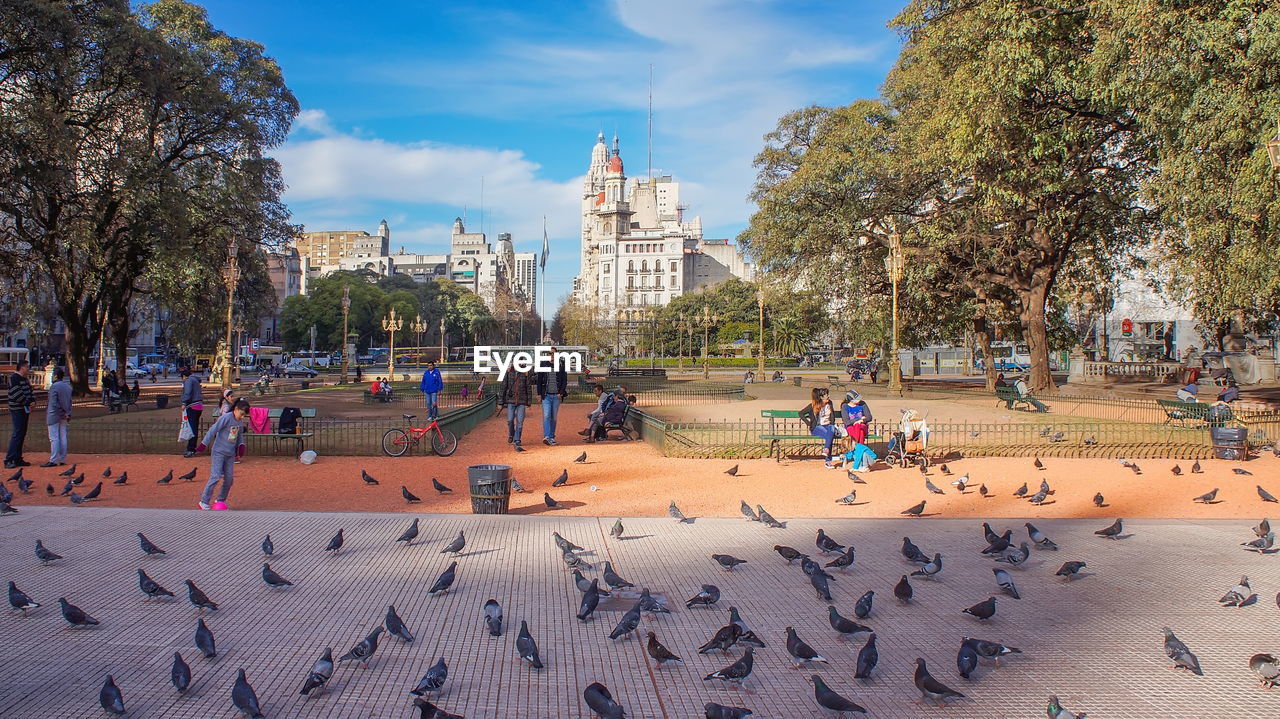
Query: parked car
x,y
131,372
299,370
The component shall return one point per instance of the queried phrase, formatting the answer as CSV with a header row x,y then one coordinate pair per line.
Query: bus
x,y
312,359
9,358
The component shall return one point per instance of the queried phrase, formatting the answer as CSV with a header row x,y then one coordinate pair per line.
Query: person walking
x,y
193,406
21,397
553,387
56,416
432,384
225,442
818,416
516,395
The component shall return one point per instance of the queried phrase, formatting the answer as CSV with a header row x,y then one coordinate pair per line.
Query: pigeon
x,y
843,625
650,605
24,485
76,499
810,567
1262,493
627,624
150,588
709,595
719,711
1242,472
747,511
915,511
562,480
1135,468
580,459
737,672
1267,668
1021,491
106,473
1207,497
433,679
930,568
768,519
854,477
993,651
966,660
747,636
1041,541
724,638
526,647
1176,471
109,697
19,600
612,579
1112,531
902,590
931,688
167,478
198,598
244,697
551,503
982,610
1057,436
517,487
660,654
363,651
843,561
961,483
409,534
435,484
616,530
189,476
445,580
335,544
675,512
564,544
1263,528
16,475
427,710
273,579
368,478
1261,545
600,701
179,673
320,673
6,508
862,608
1180,654
68,472
573,561
1039,498
1038,464
801,653
1099,500
983,492
1056,711
268,547
819,582
5,495
932,487
409,497
204,640
999,544
868,657
827,545
1195,468
924,470
44,555
74,615
1015,557
457,545
1070,569
1241,595
147,547
912,552
1006,583
67,488
788,553
1091,441
493,617
78,479
849,498
590,600
831,701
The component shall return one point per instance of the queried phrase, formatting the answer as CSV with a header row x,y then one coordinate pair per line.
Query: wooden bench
x,y
122,401
370,398
1005,395
299,437
1195,411
655,372
776,434
836,381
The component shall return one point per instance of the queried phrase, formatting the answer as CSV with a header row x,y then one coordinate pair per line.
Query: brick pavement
x,y
1095,641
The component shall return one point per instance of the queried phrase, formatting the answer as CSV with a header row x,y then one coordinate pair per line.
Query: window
x,y
631,265
644,265
673,265
657,282
673,282
631,282
644,280
606,268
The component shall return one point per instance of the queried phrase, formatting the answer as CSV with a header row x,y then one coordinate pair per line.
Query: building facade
x,y
287,270
330,249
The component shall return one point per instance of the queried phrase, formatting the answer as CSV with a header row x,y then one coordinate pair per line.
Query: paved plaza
x,y
1095,641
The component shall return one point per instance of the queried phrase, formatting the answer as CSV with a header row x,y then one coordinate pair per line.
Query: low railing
x,y
1102,372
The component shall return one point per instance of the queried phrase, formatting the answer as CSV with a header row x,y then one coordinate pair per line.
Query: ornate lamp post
x,y
231,275
893,264
346,340
760,355
419,327
392,325
442,357
706,322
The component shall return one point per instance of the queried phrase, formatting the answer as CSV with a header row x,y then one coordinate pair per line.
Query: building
x,y
287,270
329,249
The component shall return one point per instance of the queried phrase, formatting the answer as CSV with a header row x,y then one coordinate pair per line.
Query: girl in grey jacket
x,y
225,440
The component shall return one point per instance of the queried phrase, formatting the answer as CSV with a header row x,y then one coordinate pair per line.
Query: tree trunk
x,y
986,335
120,334
1034,302
79,340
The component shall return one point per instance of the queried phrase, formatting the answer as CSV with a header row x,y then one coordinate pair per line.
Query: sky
x,y
419,111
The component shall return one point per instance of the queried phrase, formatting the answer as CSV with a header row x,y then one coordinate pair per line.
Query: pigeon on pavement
x,y
19,600
204,640
368,478
179,673
1241,595
364,649
930,568
147,546
1070,569
709,595
732,471
167,478
713,710
580,458
1267,668
68,472
831,701
675,512
999,544
526,647
912,552
268,547
409,534
849,498
44,555
827,545
198,598
902,590
551,503
992,651
189,476
914,511
747,511
409,497
1262,493
844,626
843,561
1112,531
562,480
727,561
395,626
966,660
335,544
658,652
932,487
724,638
493,617
801,653
601,702
616,530
737,672
868,657
457,545
109,697
1006,583
564,544
612,579
1015,557
320,673
590,600
245,698
150,588
862,608
1180,654
1261,545
1021,491
627,624
445,580
122,479
1041,541
931,688
433,680
768,519
427,710
983,610
1207,497
1195,468
1242,472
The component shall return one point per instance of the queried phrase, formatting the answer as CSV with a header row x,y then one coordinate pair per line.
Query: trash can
x,y
1230,443
490,488
795,381
306,384
162,401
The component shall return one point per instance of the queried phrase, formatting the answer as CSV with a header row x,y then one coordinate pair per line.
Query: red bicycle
x,y
395,442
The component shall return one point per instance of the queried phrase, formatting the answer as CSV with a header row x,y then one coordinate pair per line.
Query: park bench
x,y
836,381
621,427
122,401
1004,395
644,372
777,434
1195,411
371,398
299,437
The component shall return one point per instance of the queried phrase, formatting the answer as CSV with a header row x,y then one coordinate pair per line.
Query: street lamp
x,y
706,322
419,327
760,356
1273,148
442,357
392,325
893,264
232,275
519,314
346,340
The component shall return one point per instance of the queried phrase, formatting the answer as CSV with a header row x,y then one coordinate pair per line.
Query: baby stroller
x,y
909,446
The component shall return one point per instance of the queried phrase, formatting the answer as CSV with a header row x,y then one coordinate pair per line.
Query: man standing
x,y
21,397
431,385
516,395
57,416
193,405
553,386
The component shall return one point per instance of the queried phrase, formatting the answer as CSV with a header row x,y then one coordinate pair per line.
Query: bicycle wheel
x,y
444,442
395,442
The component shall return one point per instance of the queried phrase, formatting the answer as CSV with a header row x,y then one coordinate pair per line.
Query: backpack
x,y
289,420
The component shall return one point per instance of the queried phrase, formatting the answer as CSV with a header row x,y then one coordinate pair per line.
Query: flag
x,y
546,250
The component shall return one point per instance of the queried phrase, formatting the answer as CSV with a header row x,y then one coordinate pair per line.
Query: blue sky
x,y
408,104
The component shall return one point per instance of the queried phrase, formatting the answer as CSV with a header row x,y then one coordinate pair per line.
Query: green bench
x,y
299,437
1195,411
1005,395
777,434
835,381
370,398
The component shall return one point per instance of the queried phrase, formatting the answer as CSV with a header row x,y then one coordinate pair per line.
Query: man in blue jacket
x,y
431,385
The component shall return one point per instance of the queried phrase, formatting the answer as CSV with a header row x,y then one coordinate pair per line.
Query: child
x,y
225,440
859,457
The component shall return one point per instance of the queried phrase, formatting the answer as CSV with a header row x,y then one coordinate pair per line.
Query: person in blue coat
x,y
432,384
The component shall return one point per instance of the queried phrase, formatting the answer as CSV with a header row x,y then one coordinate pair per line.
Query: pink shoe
x,y
220,505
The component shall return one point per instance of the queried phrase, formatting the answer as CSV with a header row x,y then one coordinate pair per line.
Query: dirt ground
x,y
633,479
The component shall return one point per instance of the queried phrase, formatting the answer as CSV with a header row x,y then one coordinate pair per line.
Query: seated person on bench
x,y
603,400
1025,393
777,376
1188,393
613,414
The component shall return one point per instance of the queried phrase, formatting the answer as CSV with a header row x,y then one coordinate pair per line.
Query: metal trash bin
x,y
162,401
1230,443
490,488
795,381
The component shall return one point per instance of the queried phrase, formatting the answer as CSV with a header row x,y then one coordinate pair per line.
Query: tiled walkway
x,y
1095,642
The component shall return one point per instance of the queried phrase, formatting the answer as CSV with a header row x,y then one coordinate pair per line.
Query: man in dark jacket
x,y
553,386
516,395
21,397
193,405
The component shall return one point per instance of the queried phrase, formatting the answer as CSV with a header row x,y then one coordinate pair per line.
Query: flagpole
x,y
542,312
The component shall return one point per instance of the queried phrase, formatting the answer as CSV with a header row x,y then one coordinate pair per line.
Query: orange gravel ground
x,y
633,479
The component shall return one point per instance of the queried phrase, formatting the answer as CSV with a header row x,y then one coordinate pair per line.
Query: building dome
x,y
615,163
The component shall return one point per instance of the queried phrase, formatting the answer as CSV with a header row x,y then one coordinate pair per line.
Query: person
x,y
1230,393
226,403
818,416
614,414
516,395
359,375
1000,382
21,397
225,442
602,401
748,377
1188,393
1025,393
193,405
56,416
135,390
857,418
432,384
777,376
386,388
874,369
464,392
859,456
553,387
